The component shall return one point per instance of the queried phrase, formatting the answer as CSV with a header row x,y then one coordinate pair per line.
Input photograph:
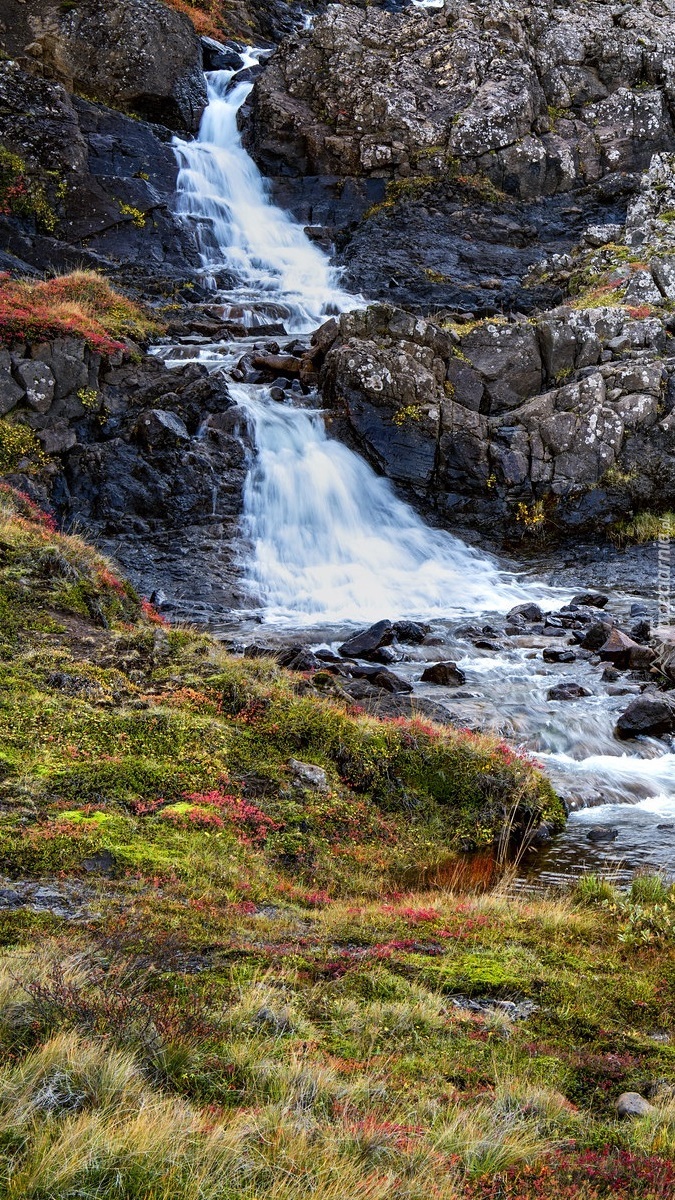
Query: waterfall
x,y
240,232
331,540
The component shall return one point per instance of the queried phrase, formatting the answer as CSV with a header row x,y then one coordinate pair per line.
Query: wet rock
x,y
631,1105
610,674
602,833
618,649
528,612
411,633
641,631
369,642
298,658
483,643
277,364
567,691
595,636
553,655
590,600
381,677
220,58
447,674
649,715
308,775
9,898
260,650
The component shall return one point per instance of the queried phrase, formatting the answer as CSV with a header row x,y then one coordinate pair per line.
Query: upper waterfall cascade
x,y
240,232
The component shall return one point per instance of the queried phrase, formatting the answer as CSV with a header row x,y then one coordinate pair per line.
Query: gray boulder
x,y
649,715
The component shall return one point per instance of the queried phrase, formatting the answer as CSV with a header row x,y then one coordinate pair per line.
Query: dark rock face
x,y
112,182
404,134
537,98
138,55
474,424
150,464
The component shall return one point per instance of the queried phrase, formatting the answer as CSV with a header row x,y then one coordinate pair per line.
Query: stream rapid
x,y
330,547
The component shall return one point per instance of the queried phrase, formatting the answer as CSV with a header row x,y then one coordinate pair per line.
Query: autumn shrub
x,y
81,304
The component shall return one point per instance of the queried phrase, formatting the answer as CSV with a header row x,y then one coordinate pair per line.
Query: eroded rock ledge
x,y
476,427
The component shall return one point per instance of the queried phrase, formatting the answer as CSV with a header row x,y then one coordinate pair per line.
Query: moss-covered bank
x,y
217,982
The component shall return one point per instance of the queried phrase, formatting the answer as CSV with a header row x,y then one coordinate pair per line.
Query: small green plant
x,y
138,217
592,890
643,527
88,398
531,517
410,412
24,191
649,889
615,477
19,447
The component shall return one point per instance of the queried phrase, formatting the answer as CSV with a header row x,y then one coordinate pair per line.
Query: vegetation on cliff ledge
x,y
220,980
81,304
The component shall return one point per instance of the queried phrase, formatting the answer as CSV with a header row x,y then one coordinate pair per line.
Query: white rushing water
x,y
332,541
240,231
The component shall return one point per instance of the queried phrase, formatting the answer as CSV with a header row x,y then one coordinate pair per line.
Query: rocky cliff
x,y
463,135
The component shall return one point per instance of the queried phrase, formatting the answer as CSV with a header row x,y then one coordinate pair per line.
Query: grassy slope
x,y
254,1000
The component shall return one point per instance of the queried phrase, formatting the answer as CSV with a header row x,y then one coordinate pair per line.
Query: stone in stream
x,y
412,633
617,649
298,658
631,1105
446,674
528,612
595,636
260,650
610,674
590,599
641,631
369,642
552,655
602,833
381,677
567,691
648,715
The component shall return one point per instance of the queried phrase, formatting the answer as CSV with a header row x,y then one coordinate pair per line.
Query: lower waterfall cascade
x,y
333,546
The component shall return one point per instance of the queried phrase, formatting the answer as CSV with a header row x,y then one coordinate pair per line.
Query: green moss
x,y
24,191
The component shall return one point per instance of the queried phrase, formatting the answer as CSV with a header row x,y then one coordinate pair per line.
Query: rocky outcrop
x,y
474,424
536,97
150,462
406,135
138,55
108,183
